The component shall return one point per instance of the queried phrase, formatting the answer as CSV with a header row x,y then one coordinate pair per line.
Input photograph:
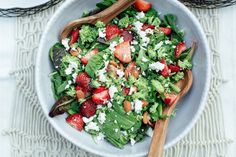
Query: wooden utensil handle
x,y
158,139
108,14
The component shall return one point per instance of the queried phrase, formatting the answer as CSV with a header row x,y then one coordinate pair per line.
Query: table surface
x,y
228,64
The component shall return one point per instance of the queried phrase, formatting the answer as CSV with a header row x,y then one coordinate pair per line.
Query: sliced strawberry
x,y
126,90
123,52
169,99
142,5
74,36
76,121
174,68
85,59
147,26
181,47
129,69
166,30
88,108
83,80
112,31
126,35
165,71
101,95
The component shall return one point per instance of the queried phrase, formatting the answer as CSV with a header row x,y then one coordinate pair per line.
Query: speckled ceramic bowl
x,y
188,110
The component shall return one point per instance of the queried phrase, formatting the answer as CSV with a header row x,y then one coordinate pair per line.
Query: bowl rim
x,y
175,140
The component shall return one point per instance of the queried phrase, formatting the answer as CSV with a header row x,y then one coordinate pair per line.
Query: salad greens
x,y
115,80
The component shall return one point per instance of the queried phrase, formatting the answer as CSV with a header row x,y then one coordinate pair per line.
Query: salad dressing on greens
x,y
114,80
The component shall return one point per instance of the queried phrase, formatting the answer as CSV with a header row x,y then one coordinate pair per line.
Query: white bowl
x,y
188,110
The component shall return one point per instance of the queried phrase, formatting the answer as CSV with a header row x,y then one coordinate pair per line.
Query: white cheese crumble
x,y
65,43
149,132
112,46
132,142
71,67
144,59
74,76
149,31
157,66
138,106
120,73
91,126
138,25
116,130
132,48
102,117
159,45
101,73
174,46
68,84
87,120
131,90
109,104
121,40
167,42
115,121
112,90
140,15
101,32
143,73
134,42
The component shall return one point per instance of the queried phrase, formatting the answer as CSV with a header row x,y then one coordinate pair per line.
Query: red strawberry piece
x,y
169,99
74,36
165,71
126,90
174,68
85,59
112,31
181,47
88,108
101,95
83,80
126,36
166,30
142,5
76,121
147,26
123,52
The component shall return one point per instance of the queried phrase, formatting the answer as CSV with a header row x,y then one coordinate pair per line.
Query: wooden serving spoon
x,y
159,135
105,16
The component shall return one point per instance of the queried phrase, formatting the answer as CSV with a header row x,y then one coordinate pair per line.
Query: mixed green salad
x,y
114,80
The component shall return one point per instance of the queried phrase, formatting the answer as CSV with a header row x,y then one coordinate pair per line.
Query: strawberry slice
x,y
88,108
174,68
84,60
147,26
126,90
112,31
83,80
126,36
76,121
123,52
74,36
165,71
142,5
169,99
181,47
166,30
101,95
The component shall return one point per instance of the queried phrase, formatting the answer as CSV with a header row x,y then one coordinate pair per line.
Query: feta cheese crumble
x,y
132,142
101,32
112,46
140,15
159,45
87,120
91,126
112,90
131,90
157,66
101,73
109,104
144,59
116,130
68,84
101,117
120,73
71,67
138,106
65,43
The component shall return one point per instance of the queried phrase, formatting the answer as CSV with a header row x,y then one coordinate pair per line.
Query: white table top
x,y
228,62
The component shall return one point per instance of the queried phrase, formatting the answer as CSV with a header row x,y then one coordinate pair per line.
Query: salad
x,y
114,80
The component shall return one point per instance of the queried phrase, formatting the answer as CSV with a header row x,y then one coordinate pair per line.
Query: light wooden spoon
x,y
159,135
105,16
